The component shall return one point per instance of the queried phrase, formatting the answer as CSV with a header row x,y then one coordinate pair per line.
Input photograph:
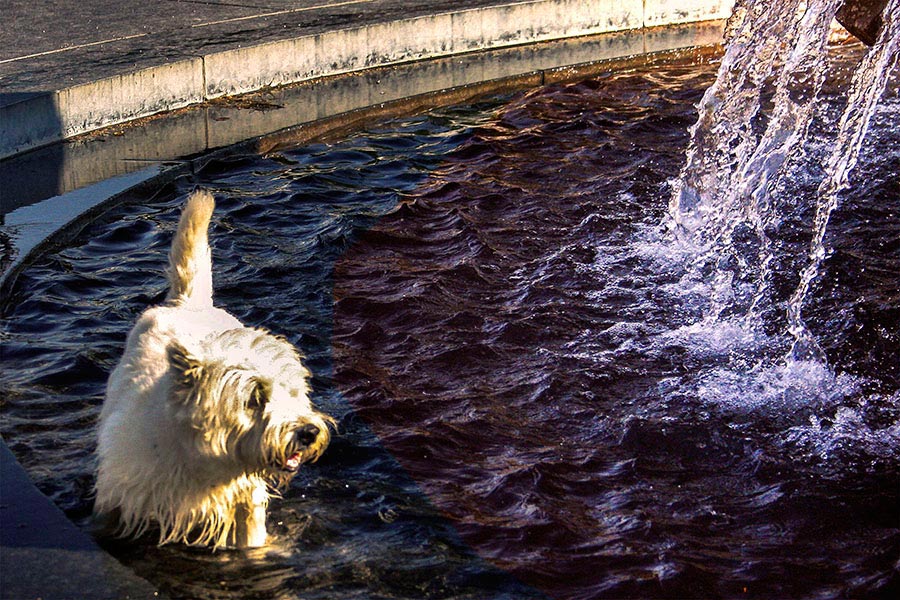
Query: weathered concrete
x,y
59,169
43,555
672,12
32,115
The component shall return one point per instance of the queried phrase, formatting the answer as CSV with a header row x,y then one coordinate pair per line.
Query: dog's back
x,y
190,261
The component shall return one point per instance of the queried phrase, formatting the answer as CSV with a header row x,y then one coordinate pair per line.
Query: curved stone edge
x,y
43,555
315,108
47,118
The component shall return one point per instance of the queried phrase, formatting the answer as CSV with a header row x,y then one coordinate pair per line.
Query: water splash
x,y
723,136
720,203
723,203
869,82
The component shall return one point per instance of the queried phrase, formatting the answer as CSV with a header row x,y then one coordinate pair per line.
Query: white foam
x,y
776,388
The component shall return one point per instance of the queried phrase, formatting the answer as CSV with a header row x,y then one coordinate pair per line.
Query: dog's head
x,y
245,396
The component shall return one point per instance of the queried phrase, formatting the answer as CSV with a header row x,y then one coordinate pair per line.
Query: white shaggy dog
x,y
202,416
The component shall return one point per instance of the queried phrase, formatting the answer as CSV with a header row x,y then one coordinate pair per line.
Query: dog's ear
x,y
259,393
185,367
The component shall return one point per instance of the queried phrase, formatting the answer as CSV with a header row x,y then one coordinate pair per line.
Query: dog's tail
x,y
190,260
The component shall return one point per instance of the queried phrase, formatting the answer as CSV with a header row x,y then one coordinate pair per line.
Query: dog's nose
x,y
307,434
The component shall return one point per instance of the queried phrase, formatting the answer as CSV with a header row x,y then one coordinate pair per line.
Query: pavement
x,y
71,42
73,46
96,48
73,67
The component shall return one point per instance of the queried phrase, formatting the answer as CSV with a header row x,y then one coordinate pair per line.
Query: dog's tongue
x,y
293,462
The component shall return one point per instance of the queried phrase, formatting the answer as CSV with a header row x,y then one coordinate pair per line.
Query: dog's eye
x,y
259,395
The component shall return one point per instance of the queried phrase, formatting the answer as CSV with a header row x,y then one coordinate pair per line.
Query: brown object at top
x,y
862,18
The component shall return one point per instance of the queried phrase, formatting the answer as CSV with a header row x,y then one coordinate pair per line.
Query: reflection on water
x,y
532,395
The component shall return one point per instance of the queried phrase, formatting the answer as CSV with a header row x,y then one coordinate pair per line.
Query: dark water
x,y
530,398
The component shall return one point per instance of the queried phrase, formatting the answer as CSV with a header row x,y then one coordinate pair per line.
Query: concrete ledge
x,y
118,99
43,555
34,121
153,142
673,12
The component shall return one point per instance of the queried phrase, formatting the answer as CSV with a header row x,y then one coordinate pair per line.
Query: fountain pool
x,y
533,396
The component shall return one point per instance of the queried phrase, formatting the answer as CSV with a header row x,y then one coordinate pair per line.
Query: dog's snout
x,y
308,434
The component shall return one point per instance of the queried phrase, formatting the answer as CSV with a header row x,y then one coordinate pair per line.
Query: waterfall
x,y
722,203
869,82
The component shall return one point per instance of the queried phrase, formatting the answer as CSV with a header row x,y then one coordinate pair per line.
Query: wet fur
x,y
200,414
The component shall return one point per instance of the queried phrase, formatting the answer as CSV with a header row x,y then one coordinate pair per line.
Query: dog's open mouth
x,y
305,446
293,462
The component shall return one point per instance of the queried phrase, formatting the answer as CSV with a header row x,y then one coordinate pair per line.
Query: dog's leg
x,y
250,520
250,526
190,261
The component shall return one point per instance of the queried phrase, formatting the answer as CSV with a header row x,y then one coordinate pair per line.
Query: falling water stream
x,y
866,89
737,156
582,341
